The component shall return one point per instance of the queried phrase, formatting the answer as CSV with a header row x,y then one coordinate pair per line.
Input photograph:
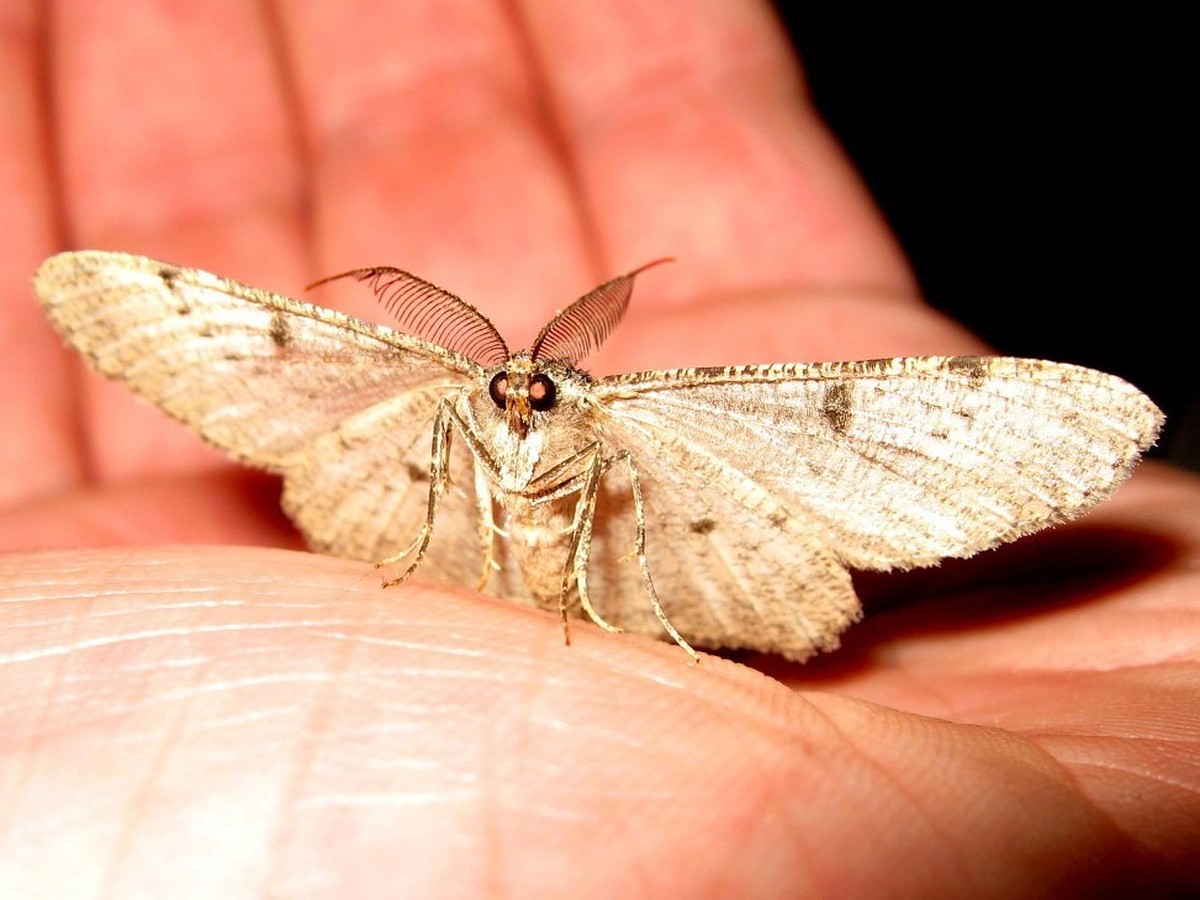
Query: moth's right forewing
x,y
255,373
762,482
902,462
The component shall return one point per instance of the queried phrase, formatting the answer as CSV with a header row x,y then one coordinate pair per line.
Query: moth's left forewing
x,y
342,408
876,464
255,373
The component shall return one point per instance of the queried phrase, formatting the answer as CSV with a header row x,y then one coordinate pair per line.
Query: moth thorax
x,y
516,455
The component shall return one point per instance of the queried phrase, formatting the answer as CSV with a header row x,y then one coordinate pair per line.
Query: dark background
x,y
1034,170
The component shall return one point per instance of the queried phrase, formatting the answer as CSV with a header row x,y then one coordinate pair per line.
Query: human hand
x,y
219,721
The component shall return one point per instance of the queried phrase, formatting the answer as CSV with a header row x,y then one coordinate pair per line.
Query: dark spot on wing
x,y
281,335
778,518
974,368
702,526
167,276
416,473
838,406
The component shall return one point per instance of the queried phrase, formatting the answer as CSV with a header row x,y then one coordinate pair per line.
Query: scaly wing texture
x,y
255,373
762,482
342,408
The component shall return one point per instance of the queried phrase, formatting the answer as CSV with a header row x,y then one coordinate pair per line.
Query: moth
x,y
720,507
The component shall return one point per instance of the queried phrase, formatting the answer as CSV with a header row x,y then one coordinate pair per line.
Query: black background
x,y
1034,170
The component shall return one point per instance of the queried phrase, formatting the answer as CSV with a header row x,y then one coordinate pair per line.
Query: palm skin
x,y
234,721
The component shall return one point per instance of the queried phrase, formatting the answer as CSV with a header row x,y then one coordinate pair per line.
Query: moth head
x,y
521,390
532,383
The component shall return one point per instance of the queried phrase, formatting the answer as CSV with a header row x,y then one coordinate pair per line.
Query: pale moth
x,y
720,507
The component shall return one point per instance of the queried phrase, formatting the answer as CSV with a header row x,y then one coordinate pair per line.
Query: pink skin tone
x,y
228,719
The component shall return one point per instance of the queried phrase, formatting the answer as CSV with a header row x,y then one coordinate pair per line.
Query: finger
x,y
39,452
401,742
691,135
228,506
430,151
174,139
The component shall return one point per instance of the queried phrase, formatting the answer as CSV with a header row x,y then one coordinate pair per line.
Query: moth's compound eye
x,y
541,392
498,389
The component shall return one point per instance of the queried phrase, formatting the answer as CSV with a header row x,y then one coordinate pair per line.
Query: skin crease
x,y
239,721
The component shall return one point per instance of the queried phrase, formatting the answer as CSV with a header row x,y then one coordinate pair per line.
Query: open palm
x,y
216,720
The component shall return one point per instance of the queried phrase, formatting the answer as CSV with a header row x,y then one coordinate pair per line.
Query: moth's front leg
x,y
581,543
575,569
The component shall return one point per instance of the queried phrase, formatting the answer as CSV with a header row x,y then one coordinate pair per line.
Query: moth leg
x,y
578,483
439,480
588,485
639,513
581,543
